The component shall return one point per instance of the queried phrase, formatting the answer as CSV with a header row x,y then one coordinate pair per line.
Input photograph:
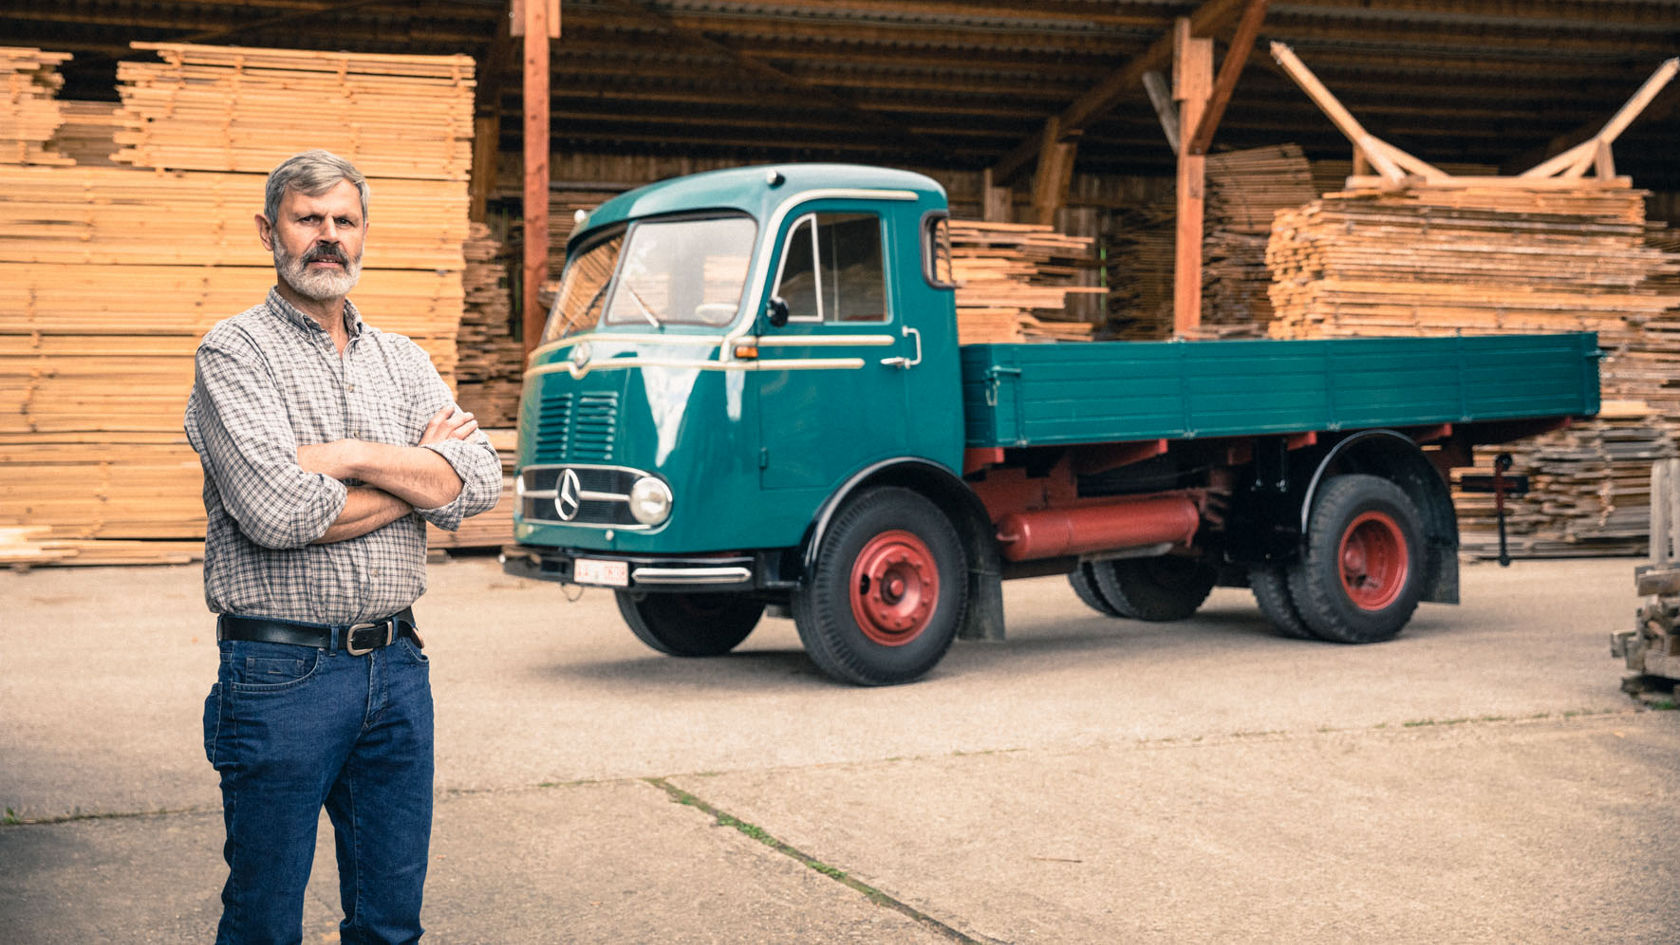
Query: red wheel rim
x,y
895,588
1372,560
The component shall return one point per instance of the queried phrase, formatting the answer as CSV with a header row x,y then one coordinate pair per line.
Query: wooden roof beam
x,y
1210,17
1596,149
927,147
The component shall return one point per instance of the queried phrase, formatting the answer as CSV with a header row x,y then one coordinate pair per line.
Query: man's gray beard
x,y
322,286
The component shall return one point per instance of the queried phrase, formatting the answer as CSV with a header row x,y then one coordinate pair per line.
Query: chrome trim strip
x,y
733,575
819,341
770,364
808,364
627,338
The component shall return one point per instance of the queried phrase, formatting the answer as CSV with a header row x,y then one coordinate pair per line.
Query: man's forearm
x,y
365,509
418,476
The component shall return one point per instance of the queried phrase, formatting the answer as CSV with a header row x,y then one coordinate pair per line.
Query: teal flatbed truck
x,y
750,396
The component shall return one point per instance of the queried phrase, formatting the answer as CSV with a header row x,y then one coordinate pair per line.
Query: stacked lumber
x,y
1495,256
1245,189
1013,280
109,275
29,83
89,133
1589,488
1140,242
390,115
490,354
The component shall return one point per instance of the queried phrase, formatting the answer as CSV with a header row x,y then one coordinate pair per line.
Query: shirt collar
x,y
277,303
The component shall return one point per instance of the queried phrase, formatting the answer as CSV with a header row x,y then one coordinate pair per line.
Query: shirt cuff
x,y
480,472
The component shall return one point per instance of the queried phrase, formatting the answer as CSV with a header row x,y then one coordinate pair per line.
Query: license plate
x,y
606,573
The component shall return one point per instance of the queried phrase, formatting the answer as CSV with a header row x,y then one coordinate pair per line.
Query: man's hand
x,y
450,423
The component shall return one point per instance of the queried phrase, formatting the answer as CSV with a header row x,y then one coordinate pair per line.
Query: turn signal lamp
x,y
746,352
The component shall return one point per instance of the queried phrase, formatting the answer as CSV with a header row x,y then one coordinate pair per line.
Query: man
x,y
327,445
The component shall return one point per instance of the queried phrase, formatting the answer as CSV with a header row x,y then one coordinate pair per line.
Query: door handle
x,y
901,361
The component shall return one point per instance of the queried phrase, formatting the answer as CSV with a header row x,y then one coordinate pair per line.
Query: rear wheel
x,y
888,591
1163,588
1361,576
1270,584
1084,581
684,624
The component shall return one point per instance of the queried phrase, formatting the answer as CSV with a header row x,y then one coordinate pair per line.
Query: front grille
x,y
580,427
541,487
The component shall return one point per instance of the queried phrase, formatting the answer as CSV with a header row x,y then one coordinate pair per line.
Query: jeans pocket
x,y
413,651
271,667
212,721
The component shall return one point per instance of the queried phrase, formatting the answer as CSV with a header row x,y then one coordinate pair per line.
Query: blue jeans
x,y
292,728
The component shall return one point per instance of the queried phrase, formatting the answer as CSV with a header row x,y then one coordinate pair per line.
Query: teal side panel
x,y
1016,395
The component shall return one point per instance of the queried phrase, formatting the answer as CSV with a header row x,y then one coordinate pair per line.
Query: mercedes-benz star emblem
x,y
570,498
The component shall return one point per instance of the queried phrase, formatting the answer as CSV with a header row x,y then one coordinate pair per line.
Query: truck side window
x,y
936,251
832,269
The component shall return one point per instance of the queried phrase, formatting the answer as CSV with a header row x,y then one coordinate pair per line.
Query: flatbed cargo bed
x,y
1095,392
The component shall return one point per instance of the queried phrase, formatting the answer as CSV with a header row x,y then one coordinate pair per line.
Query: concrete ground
x,y
1480,779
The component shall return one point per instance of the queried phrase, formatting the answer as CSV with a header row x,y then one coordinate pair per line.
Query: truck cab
x,y
726,352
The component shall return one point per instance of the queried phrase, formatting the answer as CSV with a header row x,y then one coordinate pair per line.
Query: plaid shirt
x,y
270,380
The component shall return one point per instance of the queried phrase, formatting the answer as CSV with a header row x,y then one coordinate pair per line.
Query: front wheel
x,y
684,624
1362,574
888,591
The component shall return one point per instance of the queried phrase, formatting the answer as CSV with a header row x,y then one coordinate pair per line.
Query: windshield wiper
x,y
647,313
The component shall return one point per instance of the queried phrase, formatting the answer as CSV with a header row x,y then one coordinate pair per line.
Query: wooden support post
x,y
996,203
1192,84
535,25
1201,133
1055,171
498,61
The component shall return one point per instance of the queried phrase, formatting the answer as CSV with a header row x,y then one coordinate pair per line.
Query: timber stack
x,y
1244,190
109,275
1504,255
1013,281
491,354
29,84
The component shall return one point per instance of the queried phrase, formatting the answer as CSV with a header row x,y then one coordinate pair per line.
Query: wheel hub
x,y
1373,560
894,588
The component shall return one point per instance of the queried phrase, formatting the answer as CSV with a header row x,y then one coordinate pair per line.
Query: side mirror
x,y
777,311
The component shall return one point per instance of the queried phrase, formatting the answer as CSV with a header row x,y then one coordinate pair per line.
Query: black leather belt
x,y
354,639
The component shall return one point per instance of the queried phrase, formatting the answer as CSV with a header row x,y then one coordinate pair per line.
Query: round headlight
x,y
650,501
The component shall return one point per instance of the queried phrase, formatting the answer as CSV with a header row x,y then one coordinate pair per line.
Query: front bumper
x,y
761,570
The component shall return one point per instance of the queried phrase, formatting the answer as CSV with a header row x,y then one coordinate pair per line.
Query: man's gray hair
x,y
311,173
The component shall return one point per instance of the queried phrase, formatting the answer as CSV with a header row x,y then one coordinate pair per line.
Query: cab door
x,y
831,383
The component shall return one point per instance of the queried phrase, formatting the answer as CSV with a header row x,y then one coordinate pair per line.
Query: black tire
x,y
1362,574
684,624
1270,584
1162,588
888,591
1084,582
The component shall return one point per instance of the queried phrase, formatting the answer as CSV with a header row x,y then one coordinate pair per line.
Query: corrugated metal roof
x,y
961,83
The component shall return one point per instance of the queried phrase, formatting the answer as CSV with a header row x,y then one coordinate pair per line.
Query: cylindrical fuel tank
x,y
1049,533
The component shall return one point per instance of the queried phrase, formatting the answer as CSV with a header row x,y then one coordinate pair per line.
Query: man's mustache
x,y
326,253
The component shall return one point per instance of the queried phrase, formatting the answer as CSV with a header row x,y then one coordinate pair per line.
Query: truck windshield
x,y
657,273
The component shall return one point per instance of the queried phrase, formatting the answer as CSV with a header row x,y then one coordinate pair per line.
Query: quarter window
x,y
832,269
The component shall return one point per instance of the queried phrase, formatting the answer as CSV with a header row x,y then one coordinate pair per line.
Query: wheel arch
x,y
1394,456
953,497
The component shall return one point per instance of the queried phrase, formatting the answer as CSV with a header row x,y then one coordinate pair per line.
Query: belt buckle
x,y
350,637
